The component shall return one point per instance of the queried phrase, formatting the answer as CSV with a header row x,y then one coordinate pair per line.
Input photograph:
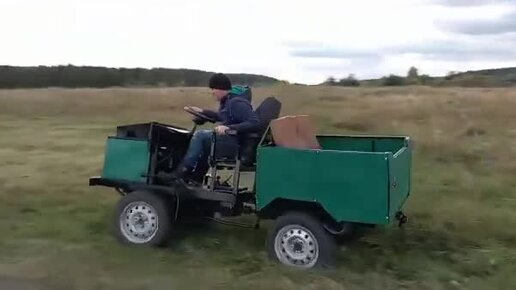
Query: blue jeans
x,y
196,156
199,148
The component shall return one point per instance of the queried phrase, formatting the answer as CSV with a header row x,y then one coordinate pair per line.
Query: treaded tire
x,y
325,241
161,209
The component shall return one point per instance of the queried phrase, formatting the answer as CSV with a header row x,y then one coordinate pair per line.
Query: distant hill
x,y
90,76
489,77
502,77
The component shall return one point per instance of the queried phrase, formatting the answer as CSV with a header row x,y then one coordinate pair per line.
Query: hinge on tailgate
x,y
395,183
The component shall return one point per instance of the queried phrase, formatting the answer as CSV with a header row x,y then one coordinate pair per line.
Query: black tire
x,y
161,209
301,222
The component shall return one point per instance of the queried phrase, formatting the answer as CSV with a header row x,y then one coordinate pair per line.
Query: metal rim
x,y
296,246
139,222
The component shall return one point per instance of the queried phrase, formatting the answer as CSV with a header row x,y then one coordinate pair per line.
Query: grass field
x,y
55,230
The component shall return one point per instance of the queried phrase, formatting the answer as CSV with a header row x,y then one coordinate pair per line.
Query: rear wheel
x,y
143,218
300,240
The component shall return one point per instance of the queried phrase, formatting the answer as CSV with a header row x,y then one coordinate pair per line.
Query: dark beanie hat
x,y
220,81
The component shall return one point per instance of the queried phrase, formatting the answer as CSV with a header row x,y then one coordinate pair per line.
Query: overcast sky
x,y
298,41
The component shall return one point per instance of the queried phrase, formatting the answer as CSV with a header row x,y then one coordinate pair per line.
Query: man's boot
x,y
199,173
179,175
186,176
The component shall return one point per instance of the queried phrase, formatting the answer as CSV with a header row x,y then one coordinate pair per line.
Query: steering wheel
x,y
202,116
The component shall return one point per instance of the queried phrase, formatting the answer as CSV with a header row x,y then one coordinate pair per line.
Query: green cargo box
x,y
358,179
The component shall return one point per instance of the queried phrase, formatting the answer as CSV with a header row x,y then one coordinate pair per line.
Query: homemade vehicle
x,y
316,188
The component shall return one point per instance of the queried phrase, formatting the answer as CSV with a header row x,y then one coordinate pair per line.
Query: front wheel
x,y
300,240
142,218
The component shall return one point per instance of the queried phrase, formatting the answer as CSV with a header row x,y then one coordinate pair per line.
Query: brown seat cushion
x,y
294,132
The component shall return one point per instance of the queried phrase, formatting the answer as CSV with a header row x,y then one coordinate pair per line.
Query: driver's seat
x,y
267,111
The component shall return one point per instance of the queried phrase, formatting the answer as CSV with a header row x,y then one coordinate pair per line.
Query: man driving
x,y
235,114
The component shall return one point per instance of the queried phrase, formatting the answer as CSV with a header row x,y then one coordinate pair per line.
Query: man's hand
x,y
221,130
195,109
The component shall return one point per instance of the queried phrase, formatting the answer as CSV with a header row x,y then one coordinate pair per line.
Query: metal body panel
x,y
399,178
362,143
351,177
126,159
352,186
284,173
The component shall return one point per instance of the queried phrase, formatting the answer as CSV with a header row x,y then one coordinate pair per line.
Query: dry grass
x,y
55,229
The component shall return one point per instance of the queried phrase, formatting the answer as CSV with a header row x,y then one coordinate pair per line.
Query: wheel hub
x,y
139,222
296,246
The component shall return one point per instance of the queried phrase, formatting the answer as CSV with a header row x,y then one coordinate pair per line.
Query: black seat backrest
x,y
267,111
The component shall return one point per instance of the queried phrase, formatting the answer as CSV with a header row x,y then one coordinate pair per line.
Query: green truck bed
x,y
354,178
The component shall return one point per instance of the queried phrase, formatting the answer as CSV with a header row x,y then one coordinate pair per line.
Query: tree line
x,y
484,78
101,77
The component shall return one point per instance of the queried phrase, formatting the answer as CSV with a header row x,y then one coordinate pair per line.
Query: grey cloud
x,y
500,48
459,50
505,24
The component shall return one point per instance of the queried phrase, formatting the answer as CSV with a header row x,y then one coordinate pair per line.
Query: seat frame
x,y
247,146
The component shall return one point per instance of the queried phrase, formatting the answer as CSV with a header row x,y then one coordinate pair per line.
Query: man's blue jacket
x,y
236,113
